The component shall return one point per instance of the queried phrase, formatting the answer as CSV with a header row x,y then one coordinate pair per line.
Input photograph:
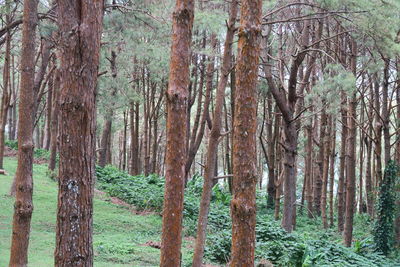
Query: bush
x,y
145,193
291,250
40,153
310,247
386,207
13,144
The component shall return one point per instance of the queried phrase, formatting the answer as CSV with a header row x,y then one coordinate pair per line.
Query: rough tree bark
x,y
351,158
243,204
80,26
23,206
175,155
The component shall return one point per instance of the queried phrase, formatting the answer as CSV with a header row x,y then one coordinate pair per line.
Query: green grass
x,y
118,238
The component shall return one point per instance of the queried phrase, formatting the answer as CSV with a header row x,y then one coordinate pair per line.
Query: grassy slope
x,y
118,234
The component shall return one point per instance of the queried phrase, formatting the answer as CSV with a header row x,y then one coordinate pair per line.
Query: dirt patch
x,y
40,161
145,212
119,202
152,244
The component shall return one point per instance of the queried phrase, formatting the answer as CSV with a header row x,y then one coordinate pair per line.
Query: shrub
x,y
383,230
13,144
145,193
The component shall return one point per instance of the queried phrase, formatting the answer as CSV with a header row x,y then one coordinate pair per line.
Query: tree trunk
x,y
308,169
124,141
197,136
341,184
361,170
134,116
49,109
105,143
54,122
318,181
385,111
243,204
351,166
12,117
272,137
397,154
213,141
368,179
177,97
80,25
23,206
324,142
378,131
332,171
5,100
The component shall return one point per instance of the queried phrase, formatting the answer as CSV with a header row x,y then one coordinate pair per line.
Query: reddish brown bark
x,y
80,25
175,160
243,204
23,206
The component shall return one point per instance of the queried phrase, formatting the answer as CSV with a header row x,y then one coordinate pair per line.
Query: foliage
x,y
41,153
145,193
12,144
383,230
310,246
286,250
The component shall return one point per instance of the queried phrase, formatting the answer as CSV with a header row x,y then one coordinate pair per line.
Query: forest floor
x,y
121,237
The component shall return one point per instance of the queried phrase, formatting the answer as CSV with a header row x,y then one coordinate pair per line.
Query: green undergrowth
x,y
120,235
310,245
